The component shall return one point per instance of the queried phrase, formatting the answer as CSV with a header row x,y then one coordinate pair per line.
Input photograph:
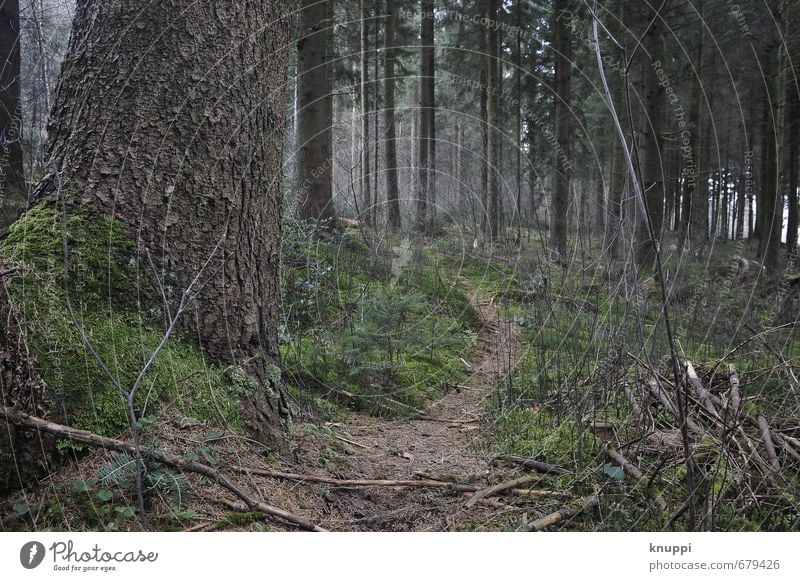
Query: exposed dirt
x,y
444,444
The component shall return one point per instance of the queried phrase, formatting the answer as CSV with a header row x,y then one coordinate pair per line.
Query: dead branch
x,y
702,393
662,396
420,483
735,400
497,488
565,513
769,444
635,473
28,422
534,464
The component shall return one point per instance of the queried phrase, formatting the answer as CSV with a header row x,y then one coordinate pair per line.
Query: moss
x,y
116,307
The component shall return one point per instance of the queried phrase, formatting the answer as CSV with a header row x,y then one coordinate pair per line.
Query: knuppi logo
x,y
31,554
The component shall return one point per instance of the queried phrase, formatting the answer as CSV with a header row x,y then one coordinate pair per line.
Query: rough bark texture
x,y
12,172
563,125
314,111
392,190
168,117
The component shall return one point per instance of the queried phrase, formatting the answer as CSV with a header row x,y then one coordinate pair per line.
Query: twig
x,y
29,422
702,393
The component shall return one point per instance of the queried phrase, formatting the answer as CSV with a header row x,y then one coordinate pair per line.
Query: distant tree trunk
x,y
392,190
493,225
563,133
366,175
314,95
373,215
12,169
518,110
652,128
792,126
484,193
697,186
426,105
190,153
773,195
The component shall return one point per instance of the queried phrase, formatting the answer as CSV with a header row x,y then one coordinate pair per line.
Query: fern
x,y
120,471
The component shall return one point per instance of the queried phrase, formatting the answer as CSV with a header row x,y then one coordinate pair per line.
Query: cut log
x,y
543,467
25,421
565,513
662,396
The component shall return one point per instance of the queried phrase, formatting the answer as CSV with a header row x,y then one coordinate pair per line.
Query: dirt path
x,y
442,445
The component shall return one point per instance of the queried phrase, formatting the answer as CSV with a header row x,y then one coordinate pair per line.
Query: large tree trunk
x,y
392,193
563,125
12,171
314,111
179,135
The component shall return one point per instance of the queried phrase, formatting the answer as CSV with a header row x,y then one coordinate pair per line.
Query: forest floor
x,y
444,444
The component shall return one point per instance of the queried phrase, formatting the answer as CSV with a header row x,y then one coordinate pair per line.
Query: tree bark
x,y
179,135
12,170
314,111
392,193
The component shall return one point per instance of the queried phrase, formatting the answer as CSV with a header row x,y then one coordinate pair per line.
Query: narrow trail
x,y
441,444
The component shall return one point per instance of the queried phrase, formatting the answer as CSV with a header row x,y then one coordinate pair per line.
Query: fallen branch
x,y
534,464
735,400
28,422
497,488
702,393
565,513
769,444
420,483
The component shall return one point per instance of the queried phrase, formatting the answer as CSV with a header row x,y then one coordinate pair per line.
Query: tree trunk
x,y
493,225
563,125
189,156
392,193
484,187
314,95
366,176
652,128
12,170
425,111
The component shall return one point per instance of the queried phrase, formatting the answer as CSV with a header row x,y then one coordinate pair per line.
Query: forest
x,y
399,265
